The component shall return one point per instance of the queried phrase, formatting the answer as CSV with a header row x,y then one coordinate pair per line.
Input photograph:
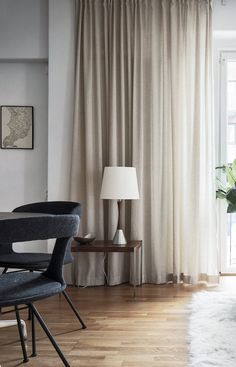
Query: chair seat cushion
x,y
29,260
25,260
22,288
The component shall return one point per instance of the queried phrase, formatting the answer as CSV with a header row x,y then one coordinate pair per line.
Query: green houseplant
x,y
227,190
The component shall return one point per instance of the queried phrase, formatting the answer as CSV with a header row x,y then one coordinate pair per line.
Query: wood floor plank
x,y
150,330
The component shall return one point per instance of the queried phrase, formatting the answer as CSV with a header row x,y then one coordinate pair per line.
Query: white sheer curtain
x,y
144,99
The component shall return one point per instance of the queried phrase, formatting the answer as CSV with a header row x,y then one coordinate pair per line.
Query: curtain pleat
x,y
143,98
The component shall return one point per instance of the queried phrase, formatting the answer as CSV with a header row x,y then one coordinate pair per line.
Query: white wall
x,y
61,96
224,15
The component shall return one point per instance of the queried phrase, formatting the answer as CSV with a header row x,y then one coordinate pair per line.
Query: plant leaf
x,y
222,186
221,167
231,208
230,177
231,196
220,194
233,172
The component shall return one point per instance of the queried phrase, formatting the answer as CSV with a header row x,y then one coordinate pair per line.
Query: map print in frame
x,y
17,127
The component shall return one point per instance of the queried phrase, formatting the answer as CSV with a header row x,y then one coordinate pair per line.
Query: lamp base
x,y
119,238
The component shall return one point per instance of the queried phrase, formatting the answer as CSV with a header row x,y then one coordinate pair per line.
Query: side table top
x,y
105,246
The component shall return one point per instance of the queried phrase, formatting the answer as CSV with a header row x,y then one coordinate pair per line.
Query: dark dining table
x,y
24,227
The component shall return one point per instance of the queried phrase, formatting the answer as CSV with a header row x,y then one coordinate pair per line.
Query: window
x,y
227,155
231,109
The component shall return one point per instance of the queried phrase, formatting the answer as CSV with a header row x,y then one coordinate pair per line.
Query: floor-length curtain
x,y
143,98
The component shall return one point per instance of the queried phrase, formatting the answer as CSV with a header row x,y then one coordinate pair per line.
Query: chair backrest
x,y
51,207
18,227
55,268
54,207
48,207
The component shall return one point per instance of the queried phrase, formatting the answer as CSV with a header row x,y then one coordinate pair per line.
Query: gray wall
x,y
61,96
23,29
27,29
24,81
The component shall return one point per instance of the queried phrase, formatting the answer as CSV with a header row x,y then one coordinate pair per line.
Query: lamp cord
x,y
103,270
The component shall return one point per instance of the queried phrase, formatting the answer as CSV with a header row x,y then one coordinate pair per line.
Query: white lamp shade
x,y
119,183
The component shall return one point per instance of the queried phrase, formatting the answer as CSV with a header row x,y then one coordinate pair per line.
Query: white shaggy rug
x,y
212,330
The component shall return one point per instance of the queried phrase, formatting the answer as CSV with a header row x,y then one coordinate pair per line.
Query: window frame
x,y
225,56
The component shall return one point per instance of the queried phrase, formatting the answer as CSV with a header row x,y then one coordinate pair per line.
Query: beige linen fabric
x,y
143,98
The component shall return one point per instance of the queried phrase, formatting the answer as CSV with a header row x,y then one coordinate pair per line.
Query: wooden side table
x,y
108,246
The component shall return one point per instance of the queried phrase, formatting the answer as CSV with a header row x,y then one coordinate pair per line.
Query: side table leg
x,y
106,268
135,271
141,266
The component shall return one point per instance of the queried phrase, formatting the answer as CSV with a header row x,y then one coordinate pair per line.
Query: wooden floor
x,y
148,331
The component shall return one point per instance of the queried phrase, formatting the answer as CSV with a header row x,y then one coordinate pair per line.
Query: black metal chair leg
x,y
34,354
4,271
49,335
29,310
74,309
21,335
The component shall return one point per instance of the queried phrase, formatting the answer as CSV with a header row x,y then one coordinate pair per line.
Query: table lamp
x,y
119,183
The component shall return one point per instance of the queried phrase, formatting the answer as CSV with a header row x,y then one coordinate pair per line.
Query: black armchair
x,y
9,259
17,288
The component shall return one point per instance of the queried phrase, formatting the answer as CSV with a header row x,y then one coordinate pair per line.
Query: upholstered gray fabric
x,y
34,227
25,260
51,207
27,287
36,261
23,288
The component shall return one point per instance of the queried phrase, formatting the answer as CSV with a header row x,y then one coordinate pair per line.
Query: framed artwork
x,y
17,127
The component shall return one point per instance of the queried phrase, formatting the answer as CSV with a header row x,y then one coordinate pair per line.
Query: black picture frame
x,y
20,133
